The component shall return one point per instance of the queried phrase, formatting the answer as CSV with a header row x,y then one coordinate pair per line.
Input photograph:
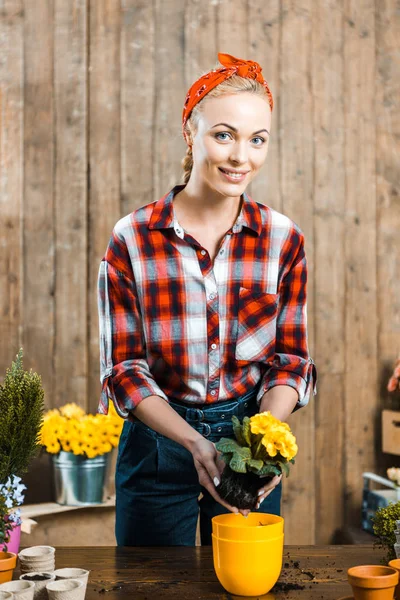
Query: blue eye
x,y
259,138
222,133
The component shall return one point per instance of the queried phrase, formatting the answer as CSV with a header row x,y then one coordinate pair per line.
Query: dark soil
x,y
240,489
36,577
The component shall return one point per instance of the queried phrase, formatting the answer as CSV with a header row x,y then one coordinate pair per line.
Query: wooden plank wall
x,y
91,94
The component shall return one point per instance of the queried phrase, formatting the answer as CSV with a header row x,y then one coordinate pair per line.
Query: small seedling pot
x,y
373,582
40,579
8,561
5,595
247,552
72,573
21,590
66,589
395,564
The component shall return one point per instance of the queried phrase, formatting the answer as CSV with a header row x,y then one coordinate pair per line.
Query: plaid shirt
x,y
173,324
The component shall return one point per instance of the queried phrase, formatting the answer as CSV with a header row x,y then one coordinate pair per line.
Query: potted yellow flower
x,y
264,446
81,446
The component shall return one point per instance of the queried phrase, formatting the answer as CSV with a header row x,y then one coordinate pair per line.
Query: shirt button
x,y
213,346
213,392
222,251
212,296
203,252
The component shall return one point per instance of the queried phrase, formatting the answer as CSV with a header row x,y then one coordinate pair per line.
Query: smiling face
x,y
230,143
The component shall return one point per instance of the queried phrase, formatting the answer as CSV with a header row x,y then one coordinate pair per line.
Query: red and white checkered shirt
x,y
175,325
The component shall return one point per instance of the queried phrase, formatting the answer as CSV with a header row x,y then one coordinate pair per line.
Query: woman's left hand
x,y
265,491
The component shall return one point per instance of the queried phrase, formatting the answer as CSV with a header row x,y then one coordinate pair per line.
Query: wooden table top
x,y
183,573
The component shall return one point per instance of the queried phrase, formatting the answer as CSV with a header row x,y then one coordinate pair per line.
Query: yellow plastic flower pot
x,y
248,567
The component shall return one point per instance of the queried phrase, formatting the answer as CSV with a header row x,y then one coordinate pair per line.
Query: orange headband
x,y
231,66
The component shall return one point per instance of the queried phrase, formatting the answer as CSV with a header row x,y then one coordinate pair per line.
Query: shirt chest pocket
x,y
257,317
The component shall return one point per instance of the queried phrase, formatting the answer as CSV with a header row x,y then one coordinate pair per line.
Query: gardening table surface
x,y
183,573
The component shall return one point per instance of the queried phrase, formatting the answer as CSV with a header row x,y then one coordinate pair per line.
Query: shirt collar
x,y
162,216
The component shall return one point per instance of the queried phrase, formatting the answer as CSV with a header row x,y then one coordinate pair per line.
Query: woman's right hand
x,y
209,468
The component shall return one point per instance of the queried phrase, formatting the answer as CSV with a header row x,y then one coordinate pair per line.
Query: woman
x,y
202,304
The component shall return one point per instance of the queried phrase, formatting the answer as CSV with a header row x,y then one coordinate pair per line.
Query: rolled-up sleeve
x,y
292,364
124,372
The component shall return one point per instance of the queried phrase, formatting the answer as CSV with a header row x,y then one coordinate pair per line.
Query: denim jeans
x,y
157,486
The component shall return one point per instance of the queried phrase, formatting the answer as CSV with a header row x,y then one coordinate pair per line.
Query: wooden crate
x,y
391,432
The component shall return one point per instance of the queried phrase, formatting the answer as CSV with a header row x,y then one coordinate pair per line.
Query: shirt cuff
x,y
126,395
304,384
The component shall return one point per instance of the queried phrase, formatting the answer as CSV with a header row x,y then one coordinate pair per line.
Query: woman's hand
x,y
209,468
267,489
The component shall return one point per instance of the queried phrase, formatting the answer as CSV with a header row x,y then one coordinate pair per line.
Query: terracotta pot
x,y
395,564
373,582
21,590
40,592
66,589
8,561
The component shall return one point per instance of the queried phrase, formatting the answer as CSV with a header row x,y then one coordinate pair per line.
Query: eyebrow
x,y
235,130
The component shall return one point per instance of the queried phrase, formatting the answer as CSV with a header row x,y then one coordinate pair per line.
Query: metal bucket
x,y
80,481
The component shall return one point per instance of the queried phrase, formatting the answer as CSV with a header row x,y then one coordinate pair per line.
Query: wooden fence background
x,y
90,129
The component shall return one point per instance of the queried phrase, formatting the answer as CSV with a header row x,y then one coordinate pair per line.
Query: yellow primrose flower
x,y
260,423
72,430
72,410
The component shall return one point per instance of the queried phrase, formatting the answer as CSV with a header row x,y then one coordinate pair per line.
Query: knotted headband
x,y
231,66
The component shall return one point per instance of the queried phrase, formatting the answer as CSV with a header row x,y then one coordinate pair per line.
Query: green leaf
x,y
227,445
269,469
238,463
255,465
237,430
285,468
246,431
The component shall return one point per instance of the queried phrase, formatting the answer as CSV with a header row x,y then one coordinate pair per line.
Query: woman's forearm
x,y
280,401
156,413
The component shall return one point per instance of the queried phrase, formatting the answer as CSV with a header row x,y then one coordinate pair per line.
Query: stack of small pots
x,y
40,580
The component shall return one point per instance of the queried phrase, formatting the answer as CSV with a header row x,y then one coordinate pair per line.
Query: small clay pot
x,y
395,564
373,582
72,573
21,590
66,589
40,579
8,561
5,595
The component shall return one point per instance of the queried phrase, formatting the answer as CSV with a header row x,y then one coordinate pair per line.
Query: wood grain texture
x,y
361,327
169,146
39,275
297,156
388,189
188,572
104,159
265,27
70,226
137,103
329,276
11,177
91,97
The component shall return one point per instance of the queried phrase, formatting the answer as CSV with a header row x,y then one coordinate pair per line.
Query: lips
x,y
233,176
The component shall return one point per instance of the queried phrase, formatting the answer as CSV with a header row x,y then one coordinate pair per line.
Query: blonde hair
x,y
232,85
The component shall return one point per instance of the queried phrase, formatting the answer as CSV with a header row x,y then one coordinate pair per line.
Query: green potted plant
x,y
263,447
21,414
384,525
